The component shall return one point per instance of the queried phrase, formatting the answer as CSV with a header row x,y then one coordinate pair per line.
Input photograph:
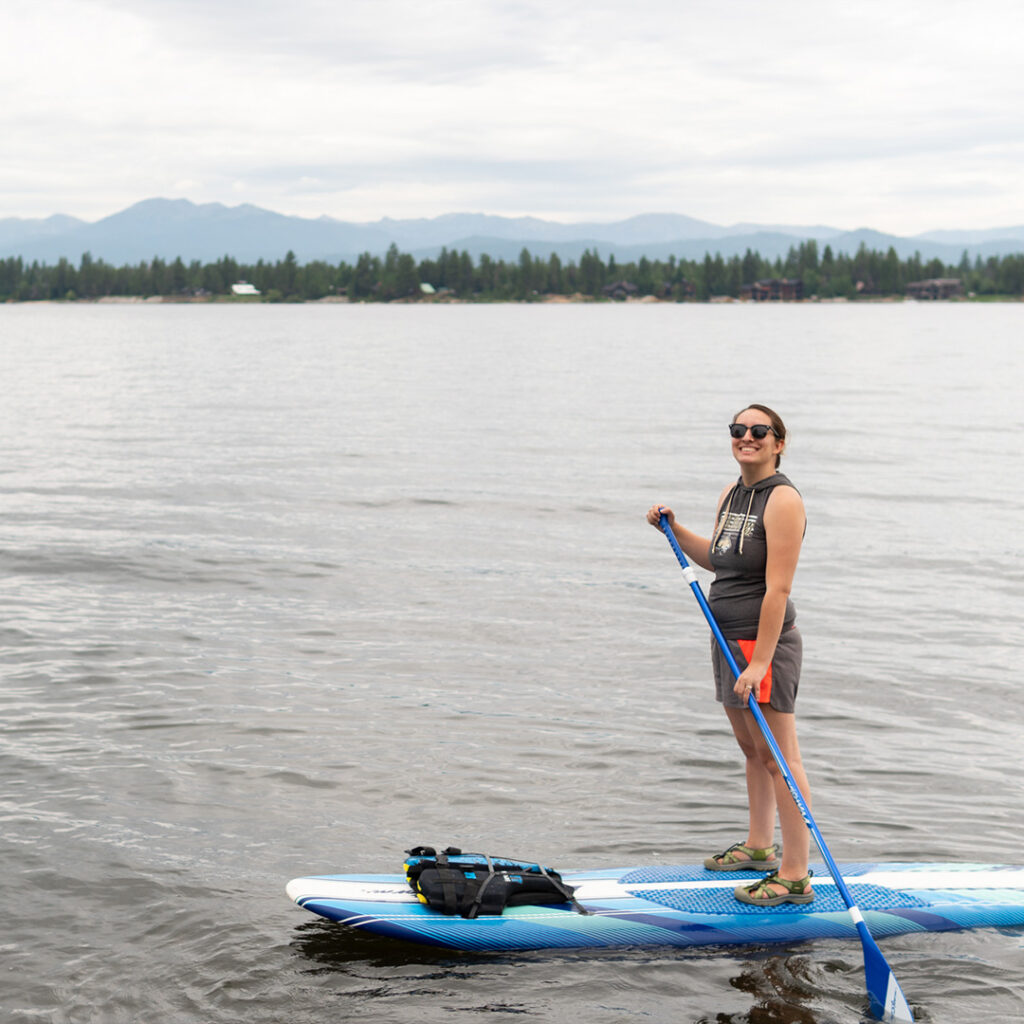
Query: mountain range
x,y
168,228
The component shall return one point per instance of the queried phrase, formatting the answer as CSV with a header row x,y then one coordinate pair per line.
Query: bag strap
x,y
474,908
446,876
567,891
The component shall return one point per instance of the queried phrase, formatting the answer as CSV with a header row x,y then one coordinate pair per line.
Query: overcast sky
x,y
901,115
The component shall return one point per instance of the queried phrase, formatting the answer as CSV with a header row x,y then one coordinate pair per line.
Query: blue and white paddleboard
x,y
682,906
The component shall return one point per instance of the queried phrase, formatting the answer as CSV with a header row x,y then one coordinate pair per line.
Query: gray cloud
x,y
443,41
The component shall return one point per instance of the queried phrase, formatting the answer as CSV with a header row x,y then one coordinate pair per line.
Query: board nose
x,y
297,888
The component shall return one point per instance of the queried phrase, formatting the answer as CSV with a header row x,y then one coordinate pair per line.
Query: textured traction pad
x,y
826,900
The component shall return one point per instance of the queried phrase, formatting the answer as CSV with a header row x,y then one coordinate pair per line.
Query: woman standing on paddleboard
x,y
753,552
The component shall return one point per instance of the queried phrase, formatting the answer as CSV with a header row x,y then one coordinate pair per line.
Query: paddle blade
x,y
887,1000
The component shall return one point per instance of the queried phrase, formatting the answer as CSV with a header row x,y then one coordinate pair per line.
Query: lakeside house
x,y
620,290
935,288
244,288
774,289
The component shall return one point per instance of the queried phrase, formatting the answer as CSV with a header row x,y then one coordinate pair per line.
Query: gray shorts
x,y
779,686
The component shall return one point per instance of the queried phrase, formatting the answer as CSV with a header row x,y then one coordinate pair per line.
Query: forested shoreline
x,y
866,274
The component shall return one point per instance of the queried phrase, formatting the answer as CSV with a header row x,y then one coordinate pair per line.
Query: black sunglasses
x,y
759,431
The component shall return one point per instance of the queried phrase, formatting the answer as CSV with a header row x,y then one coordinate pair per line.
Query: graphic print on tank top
x,y
734,528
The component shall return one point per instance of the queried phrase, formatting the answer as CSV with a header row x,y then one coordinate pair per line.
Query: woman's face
x,y
749,450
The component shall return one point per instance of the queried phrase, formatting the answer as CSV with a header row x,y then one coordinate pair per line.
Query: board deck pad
x,y
684,905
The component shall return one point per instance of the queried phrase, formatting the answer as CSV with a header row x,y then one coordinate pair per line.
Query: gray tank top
x,y
739,556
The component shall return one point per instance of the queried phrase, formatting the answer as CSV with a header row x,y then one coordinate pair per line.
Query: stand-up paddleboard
x,y
681,906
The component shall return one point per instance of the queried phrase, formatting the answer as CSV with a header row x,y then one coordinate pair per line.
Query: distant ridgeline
x,y
805,273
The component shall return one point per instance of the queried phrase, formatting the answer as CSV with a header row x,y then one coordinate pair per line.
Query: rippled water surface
x,y
285,590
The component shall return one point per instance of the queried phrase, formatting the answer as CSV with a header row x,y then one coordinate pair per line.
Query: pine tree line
x,y
397,276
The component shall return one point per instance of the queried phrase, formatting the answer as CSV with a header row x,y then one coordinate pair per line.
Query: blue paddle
x,y
887,1000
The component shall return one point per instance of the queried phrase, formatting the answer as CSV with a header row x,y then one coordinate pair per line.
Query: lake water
x,y
288,589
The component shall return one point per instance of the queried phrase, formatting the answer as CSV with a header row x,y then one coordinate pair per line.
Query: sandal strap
x,y
754,854
797,888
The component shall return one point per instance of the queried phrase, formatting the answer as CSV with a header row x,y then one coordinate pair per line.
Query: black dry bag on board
x,y
470,884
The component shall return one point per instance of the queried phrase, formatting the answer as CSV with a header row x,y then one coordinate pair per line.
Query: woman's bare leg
x,y
761,792
796,838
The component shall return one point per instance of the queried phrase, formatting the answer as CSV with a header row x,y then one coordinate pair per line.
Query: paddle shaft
x,y
891,1006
